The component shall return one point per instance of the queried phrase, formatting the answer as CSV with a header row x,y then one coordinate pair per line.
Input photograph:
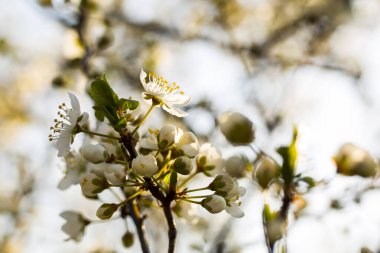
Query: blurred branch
x,y
80,28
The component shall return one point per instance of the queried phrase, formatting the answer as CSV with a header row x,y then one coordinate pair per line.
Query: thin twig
x,y
172,232
134,213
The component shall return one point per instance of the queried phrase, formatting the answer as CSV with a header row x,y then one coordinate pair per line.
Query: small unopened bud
x,y
128,239
145,165
222,184
166,136
236,166
115,174
354,161
214,204
94,153
183,165
92,184
236,127
189,145
266,171
106,211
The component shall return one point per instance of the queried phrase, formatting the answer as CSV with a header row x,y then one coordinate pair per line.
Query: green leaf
x,y
173,180
121,123
127,104
289,156
308,180
105,100
268,214
102,93
105,211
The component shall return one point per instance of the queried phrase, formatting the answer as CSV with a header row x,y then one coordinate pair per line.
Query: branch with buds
x,y
156,165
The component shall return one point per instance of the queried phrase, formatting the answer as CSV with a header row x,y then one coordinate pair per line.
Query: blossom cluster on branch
x,y
139,167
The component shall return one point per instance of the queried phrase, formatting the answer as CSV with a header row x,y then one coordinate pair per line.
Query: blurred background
x,y
310,63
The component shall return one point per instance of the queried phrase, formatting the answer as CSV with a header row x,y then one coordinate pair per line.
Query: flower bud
x,y
214,204
209,159
236,166
115,174
222,184
128,239
92,184
94,153
237,128
188,143
145,165
275,229
166,136
266,171
106,211
183,165
352,160
149,143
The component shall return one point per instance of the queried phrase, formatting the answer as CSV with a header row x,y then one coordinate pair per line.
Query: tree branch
x,y
127,142
172,232
131,209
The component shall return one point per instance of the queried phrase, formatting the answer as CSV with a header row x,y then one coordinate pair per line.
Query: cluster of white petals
x,y
64,127
169,97
75,224
210,159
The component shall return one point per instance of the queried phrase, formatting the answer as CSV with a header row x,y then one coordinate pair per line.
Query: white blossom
x,y
145,165
149,142
188,143
235,166
95,153
93,183
166,136
209,159
65,127
183,165
233,209
232,199
214,203
160,92
222,185
76,167
75,225
114,173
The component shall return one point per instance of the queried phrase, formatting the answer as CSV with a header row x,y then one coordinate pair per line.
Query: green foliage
x,y
105,211
108,104
289,156
307,180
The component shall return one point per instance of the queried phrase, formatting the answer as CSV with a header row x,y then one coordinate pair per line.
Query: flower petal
x,y
84,119
63,142
142,79
175,111
71,178
177,99
234,210
75,112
